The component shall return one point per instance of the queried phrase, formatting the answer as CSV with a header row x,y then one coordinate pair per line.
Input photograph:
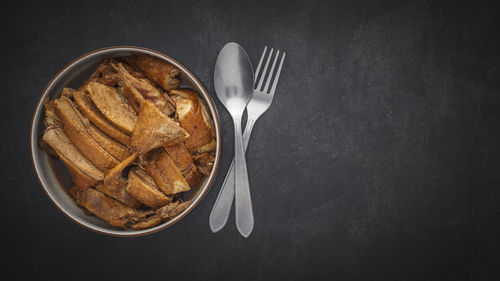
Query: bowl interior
x,y
54,176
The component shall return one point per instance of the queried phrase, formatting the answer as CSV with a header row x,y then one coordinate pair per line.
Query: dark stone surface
x,y
379,159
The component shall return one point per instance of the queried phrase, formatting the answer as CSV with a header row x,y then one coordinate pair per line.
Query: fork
x,y
259,103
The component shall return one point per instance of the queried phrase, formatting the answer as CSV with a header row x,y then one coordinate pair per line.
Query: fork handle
x,y
242,199
222,207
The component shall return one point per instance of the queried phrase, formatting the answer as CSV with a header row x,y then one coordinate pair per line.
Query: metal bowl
x,y
55,178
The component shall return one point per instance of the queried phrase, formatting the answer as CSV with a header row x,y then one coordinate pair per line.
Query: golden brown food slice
x,y
154,129
77,128
205,162
204,158
194,118
112,211
184,162
136,90
115,148
209,147
193,176
165,174
115,186
90,111
172,209
118,191
104,74
134,98
51,120
147,223
159,71
180,156
83,172
142,186
67,92
109,103
79,177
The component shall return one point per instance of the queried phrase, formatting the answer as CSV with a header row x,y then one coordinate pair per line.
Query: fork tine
x,y
278,72
259,65
270,74
261,80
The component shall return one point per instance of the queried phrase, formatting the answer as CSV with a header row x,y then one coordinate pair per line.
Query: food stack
x,y
132,141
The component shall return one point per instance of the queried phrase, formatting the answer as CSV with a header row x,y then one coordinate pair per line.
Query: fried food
x,y
131,148
104,74
136,90
154,129
114,185
205,162
159,71
172,209
108,101
183,160
193,117
84,173
142,186
165,174
115,148
88,108
112,211
77,128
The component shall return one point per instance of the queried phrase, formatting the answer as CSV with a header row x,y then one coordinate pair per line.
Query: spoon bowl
x,y
233,78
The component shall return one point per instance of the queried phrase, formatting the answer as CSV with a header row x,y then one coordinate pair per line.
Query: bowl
x,y
55,178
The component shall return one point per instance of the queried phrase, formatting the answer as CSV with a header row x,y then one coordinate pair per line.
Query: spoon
x,y
233,81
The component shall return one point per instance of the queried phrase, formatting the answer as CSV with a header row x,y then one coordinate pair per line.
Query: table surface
x,y
378,160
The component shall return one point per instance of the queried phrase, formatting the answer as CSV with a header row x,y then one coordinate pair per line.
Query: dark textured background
x,y
379,159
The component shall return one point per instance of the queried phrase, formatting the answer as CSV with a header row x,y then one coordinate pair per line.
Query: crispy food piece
x,y
109,103
205,162
165,174
159,71
193,176
104,74
147,223
206,169
142,186
180,156
87,107
115,186
115,148
67,92
136,90
209,147
133,97
83,172
154,129
194,118
51,120
118,191
77,128
204,158
183,160
112,211
172,209
78,175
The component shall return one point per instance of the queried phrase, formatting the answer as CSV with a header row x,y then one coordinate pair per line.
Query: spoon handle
x,y
222,206
243,201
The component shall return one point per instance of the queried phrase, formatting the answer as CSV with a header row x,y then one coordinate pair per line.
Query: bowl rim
x,y
205,188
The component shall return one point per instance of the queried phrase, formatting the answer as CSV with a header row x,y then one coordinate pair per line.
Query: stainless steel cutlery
x,y
261,98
